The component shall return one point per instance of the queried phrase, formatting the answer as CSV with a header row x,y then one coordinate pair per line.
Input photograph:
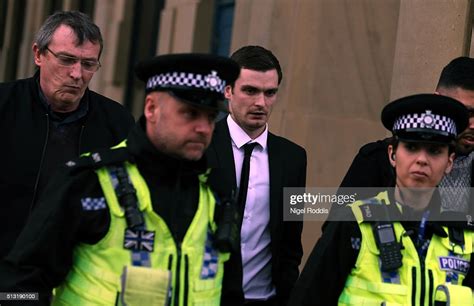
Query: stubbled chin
x,y
195,151
256,123
194,155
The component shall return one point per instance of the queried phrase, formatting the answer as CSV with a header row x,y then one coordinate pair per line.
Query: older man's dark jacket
x,y
28,156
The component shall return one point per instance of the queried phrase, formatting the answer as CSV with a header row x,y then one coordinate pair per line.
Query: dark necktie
x,y
244,175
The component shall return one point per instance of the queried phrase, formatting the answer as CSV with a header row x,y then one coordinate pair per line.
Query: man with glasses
x,y
53,117
136,224
89,65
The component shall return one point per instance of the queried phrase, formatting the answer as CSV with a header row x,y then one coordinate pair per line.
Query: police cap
x,y
194,78
427,118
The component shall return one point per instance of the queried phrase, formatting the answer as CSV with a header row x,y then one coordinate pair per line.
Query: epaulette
x,y
458,220
99,159
371,209
375,210
371,201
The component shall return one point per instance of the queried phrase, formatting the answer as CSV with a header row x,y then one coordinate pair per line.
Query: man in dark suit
x,y
266,268
371,166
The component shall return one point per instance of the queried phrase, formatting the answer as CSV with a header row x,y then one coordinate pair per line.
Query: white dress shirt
x,y
255,231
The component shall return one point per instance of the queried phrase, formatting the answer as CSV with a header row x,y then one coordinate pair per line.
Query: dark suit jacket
x,y
287,164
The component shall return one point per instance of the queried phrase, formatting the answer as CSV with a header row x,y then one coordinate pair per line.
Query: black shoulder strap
x,y
127,196
100,158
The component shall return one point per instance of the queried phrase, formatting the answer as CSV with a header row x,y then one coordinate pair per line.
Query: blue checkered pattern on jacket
x,y
141,259
210,258
355,243
93,203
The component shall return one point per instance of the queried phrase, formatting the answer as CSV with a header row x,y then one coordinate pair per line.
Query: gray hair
x,y
80,23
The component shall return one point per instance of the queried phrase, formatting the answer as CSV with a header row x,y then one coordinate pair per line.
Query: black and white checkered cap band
x,y
210,82
426,120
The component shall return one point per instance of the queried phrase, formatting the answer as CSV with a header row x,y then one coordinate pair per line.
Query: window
x,y
3,20
222,32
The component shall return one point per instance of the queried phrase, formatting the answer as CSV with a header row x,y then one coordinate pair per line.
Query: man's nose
x,y
76,70
204,125
260,99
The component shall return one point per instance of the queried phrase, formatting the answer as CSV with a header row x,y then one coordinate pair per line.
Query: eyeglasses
x,y
68,61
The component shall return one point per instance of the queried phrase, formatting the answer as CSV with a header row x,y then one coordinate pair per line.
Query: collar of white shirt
x,y
240,137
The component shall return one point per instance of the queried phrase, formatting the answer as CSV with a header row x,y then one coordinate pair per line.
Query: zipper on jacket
x,y
413,286
176,240
79,143
186,280
423,281
178,279
38,175
170,268
430,288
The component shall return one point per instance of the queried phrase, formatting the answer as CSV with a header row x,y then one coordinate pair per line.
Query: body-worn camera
x,y
228,233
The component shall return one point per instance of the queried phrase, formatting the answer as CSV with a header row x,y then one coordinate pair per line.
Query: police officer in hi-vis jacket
x,y
400,248
135,224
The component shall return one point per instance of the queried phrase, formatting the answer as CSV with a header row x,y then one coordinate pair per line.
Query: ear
x,y
228,92
391,154
151,108
37,55
449,166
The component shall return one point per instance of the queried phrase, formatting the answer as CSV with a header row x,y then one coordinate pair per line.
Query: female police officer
x,y
402,250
